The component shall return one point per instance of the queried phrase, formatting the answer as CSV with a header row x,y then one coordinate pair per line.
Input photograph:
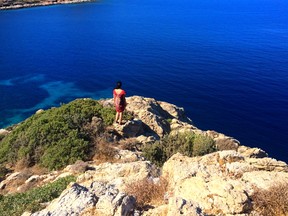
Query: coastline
x,y
46,3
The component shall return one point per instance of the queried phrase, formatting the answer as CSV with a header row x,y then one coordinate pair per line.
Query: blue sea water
x,y
224,61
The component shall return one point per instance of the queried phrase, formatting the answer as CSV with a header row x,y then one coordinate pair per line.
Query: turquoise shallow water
x,y
224,61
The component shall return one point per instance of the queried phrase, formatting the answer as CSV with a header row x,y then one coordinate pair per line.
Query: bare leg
x,y
116,117
120,117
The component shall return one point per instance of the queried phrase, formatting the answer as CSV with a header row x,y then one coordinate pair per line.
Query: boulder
x,y
39,111
114,202
117,173
222,183
100,190
72,201
132,128
252,152
265,179
4,132
151,114
176,206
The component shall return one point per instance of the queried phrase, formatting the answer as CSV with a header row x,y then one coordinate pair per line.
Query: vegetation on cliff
x,y
16,204
56,137
189,144
272,201
60,136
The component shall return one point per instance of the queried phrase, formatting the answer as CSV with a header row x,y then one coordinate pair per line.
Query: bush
x,y
16,204
155,153
147,192
55,137
189,144
104,152
2,136
271,202
3,172
203,145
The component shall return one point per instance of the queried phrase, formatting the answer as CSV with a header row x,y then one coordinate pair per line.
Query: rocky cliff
x,y
224,182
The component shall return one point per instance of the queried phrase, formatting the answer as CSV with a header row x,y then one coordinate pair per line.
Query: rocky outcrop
x,y
220,183
154,119
100,189
71,202
3,132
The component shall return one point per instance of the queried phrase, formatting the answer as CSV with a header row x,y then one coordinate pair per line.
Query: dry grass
x,y
226,144
18,184
92,212
12,186
38,170
147,192
78,167
105,152
21,164
272,202
130,144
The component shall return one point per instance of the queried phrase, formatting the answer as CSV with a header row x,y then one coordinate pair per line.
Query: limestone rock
x,y
176,112
179,206
252,152
265,179
145,139
222,183
176,207
117,173
268,164
114,202
217,195
4,132
34,178
11,179
132,128
39,111
151,114
156,119
77,167
178,126
158,211
72,201
222,141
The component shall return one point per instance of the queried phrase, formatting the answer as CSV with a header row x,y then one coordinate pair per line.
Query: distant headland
x,y
17,4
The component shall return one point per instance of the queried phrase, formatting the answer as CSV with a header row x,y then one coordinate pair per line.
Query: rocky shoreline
x,y
10,5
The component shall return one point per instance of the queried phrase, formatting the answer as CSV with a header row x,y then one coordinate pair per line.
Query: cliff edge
x,y
228,181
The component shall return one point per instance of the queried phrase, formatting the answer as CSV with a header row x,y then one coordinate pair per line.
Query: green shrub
x,y
1,136
16,204
203,145
189,144
155,153
55,137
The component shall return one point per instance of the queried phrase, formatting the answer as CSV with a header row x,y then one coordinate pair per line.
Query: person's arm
x,y
114,95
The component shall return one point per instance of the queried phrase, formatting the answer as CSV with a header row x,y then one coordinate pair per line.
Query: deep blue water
x,y
224,61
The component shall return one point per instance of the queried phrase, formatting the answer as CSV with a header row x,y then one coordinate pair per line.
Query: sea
x,y
224,61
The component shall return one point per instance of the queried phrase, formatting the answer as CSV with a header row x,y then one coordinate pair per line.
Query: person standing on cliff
x,y
119,101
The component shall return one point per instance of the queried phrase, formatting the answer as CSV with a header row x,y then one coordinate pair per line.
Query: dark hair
x,y
118,85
